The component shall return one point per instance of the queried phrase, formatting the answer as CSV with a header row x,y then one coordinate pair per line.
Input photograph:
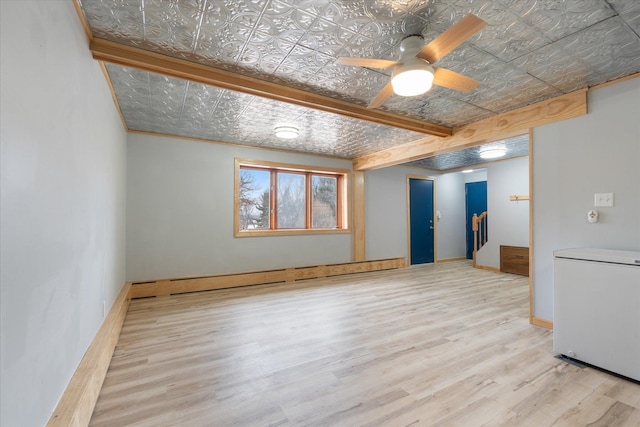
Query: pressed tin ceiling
x,y
154,103
515,147
531,50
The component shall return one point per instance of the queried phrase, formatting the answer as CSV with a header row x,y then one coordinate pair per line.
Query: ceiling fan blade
x,y
452,80
366,62
382,96
452,38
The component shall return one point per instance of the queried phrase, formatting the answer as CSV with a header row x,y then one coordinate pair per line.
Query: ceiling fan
x,y
414,73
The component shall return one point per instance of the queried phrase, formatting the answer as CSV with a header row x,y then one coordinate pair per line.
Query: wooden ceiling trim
x,y
129,56
83,20
501,126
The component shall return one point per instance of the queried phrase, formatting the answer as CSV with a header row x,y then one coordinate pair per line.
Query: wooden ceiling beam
x,y
501,126
129,56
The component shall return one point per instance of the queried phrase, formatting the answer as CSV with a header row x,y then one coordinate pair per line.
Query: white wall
x,y
574,159
475,176
180,213
451,225
386,212
508,222
62,242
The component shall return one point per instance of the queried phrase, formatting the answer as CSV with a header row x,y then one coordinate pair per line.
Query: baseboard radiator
x,y
163,287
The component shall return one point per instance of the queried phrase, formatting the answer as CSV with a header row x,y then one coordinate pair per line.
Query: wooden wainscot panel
x,y
514,259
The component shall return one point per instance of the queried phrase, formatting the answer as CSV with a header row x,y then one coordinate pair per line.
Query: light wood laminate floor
x,y
433,345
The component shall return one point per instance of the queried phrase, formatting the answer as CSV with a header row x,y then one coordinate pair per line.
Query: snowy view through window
x,y
255,204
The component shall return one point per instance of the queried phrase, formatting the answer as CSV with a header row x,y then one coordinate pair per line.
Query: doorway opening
x,y
475,195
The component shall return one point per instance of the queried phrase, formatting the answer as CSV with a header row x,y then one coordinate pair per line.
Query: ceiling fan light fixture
x,y
492,152
286,132
412,78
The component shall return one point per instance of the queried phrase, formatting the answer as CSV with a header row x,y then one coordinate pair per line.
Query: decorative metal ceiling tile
x,y
510,39
439,109
302,64
557,19
603,52
515,147
499,83
326,37
120,23
629,12
155,103
530,50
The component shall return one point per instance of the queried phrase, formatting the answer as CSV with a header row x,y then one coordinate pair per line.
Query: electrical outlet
x,y
603,199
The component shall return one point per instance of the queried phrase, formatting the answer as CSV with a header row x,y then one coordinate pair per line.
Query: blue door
x,y
421,225
476,202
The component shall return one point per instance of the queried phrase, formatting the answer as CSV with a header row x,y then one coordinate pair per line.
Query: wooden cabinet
x,y
514,259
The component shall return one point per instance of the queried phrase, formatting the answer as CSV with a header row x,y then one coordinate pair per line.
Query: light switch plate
x,y
603,199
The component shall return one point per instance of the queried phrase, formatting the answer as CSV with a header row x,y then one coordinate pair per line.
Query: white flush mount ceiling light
x,y
492,152
286,132
414,77
467,171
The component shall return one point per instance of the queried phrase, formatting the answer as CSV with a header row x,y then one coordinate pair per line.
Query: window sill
x,y
290,232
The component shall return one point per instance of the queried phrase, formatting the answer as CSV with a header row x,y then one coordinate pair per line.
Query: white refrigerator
x,y
596,313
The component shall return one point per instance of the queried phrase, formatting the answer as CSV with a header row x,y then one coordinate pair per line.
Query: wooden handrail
x,y
480,235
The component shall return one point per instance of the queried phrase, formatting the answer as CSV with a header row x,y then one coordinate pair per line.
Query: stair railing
x,y
479,227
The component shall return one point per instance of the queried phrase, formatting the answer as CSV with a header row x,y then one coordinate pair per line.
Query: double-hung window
x,y
275,198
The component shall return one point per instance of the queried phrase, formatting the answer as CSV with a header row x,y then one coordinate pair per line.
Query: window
x,y
274,198
324,200
291,200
